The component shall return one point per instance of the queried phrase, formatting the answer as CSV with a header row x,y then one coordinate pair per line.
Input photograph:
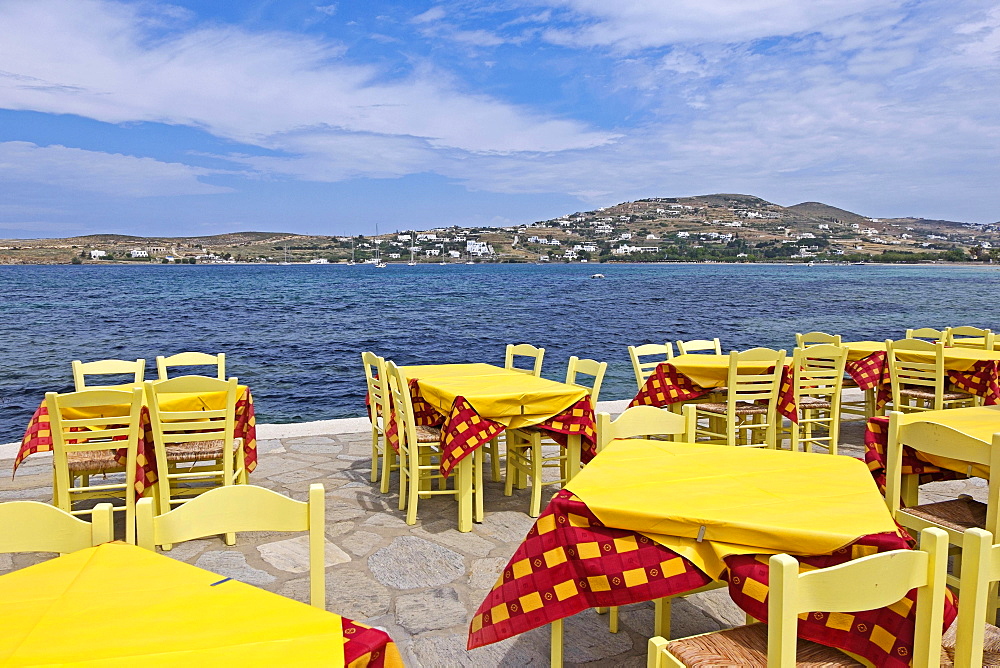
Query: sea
x,y
295,333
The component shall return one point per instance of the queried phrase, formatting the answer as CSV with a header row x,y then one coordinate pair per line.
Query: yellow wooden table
x,y
955,359
121,605
710,371
978,422
510,398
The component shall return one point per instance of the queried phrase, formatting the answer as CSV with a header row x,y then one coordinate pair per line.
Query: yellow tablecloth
x,y
712,370
978,422
955,359
858,350
118,604
511,398
737,500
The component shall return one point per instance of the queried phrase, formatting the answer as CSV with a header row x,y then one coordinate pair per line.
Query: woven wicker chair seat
x,y
747,646
93,461
812,403
199,450
742,408
850,382
991,646
918,393
957,514
427,434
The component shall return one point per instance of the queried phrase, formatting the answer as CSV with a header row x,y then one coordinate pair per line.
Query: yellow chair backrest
x,y
712,346
586,367
524,350
937,439
816,338
106,368
402,404
643,368
872,582
375,378
749,386
980,567
638,421
926,333
30,526
241,508
818,371
90,420
163,364
982,338
192,424
924,373
868,583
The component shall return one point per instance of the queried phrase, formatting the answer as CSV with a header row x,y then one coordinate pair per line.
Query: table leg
x,y
556,644
573,447
463,483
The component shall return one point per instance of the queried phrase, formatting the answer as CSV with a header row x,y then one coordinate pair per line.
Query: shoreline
x,y
354,425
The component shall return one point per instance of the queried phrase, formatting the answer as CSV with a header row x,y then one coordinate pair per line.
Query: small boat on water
x,y
597,275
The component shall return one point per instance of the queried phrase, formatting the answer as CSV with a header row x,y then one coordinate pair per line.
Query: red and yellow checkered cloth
x,y
365,647
883,636
666,385
38,438
876,445
872,372
463,429
569,561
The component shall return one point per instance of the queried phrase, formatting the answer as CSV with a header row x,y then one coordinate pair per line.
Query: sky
x,y
204,117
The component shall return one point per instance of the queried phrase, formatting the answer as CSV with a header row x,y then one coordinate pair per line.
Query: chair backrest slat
x,y
816,338
586,367
710,346
30,526
81,370
164,364
636,422
643,368
524,350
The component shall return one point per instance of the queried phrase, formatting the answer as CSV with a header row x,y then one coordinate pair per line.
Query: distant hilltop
x,y
719,227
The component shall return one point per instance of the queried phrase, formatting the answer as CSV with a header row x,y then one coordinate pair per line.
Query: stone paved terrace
x,y
423,583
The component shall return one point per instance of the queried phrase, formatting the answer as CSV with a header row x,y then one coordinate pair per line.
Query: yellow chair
x,y
84,427
927,333
969,337
163,364
976,641
955,515
525,459
524,350
817,380
197,436
816,339
643,368
868,583
30,526
710,346
226,510
81,370
748,417
643,422
420,454
378,405
925,382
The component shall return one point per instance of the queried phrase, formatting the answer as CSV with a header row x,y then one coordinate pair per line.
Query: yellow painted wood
x,y
120,605
638,421
914,363
103,415
515,351
868,583
378,404
713,346
191,409
30,526
238,508
816,338
106,368
556,644
647,357
969,337
980,569
747,380
817,374
524,447
928,333
164,364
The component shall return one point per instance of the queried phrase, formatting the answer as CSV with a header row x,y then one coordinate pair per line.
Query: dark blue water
x,y
294,333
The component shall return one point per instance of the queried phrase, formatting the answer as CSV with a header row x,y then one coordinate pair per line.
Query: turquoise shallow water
x,y
294,333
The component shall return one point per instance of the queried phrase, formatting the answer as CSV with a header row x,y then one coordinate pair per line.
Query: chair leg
x,y
414,458
375,455
404,474
388,459
536,477
477,482
556,644
495,459
508,484
613,619
661,617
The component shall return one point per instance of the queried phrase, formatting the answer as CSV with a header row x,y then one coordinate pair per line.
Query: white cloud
x,y
433,14
94,59
105,173
329,10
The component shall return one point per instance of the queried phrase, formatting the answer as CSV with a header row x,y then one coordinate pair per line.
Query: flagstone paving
x,y
420,583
